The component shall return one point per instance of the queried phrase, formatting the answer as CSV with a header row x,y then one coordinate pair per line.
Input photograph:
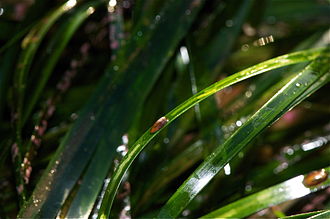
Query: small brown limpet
x,y
315,177
158,124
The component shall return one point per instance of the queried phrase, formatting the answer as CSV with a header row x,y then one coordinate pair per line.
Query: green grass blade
x,y
291,11
56,46
240,76
108,113
29,45
285,191
15,39
265,116
86,195
7,63
325,214
170,171
303,215
225,38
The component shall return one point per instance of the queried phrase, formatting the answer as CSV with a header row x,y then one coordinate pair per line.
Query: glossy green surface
x,y
147,136
110,106
325,214
29,45
104,71
303,215
53,51
269,113
288,190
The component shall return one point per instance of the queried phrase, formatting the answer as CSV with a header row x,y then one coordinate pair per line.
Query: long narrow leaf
x,y
325,214
264,117
54,50
288,190
240,76
30,44
225,38
303,215
108,115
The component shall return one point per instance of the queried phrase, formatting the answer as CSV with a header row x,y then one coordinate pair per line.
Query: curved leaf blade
x,y
171,116
303,215
107,114
57,45
29,45
264,117
288,190
325,214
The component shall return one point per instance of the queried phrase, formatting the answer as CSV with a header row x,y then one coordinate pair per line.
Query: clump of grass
x,y
120,109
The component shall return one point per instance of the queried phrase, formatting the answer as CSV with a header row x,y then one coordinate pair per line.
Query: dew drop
x,y
281,167
245,47
70,4
122,150
1,11
90,10
290,151
227,169
185,213
74,116
229,23
232,127
240,154
124,139
248,94
166,140
112,3
239,123
36,202
248,188
298,84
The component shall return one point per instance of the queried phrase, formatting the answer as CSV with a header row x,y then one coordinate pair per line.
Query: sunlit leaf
x,y
148,136
265,116
288,190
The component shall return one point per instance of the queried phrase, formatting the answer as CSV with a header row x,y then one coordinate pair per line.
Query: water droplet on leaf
x,y
239,123
229,23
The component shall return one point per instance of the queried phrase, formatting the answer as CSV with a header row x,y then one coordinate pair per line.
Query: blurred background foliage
x,y
81,81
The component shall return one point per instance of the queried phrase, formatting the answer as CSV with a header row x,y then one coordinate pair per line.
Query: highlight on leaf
x,y
164,109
